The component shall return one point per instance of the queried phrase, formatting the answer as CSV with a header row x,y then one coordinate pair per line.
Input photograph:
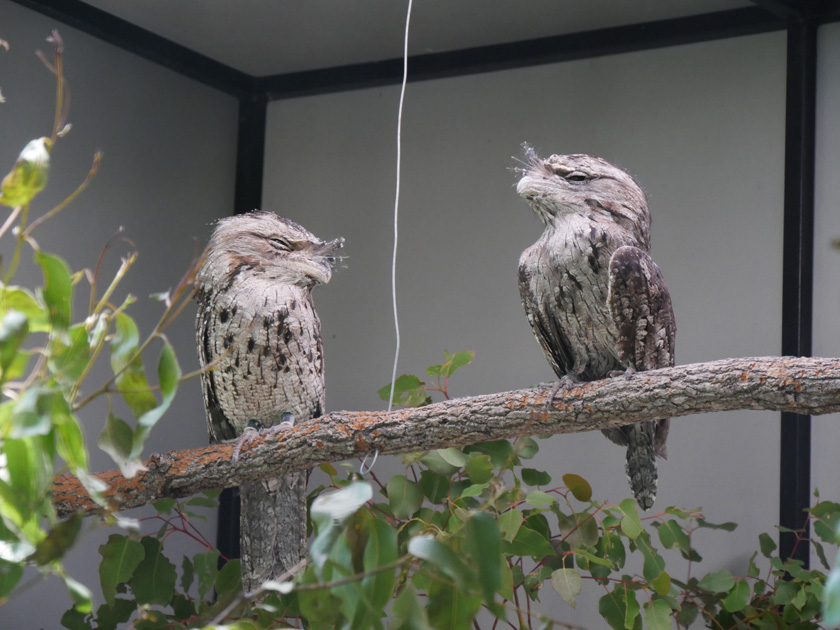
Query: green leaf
x,y
483,543
612,608
25,490
631,612
328,511
153,581
404,496
110,617
671,535
435,462
653,564
766,544
14,328
10,574
526,447
206,566
738,597
500,451
70,440
59,540
452,363
831,597
592,558
631,524
662,583
408,612
579,530
717,582
785,592
657,615
579,487
534,477
19,299
29,174
75,620
612,548
57,292
538,497
452,456
79,593
475,490
381,550
69,354
32,415
528,543
164,506
728,527
451,608
434,486
408,392
800,598
509,523
567,583
342,503
127,363
687,615
230,579
479,469
169,374
826,533
117,440
187,574
328,469
441,557
120,557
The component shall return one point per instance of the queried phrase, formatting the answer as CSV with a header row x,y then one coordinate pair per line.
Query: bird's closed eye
x,y
280,243
577,176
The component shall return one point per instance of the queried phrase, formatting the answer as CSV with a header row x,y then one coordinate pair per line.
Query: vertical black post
x,y
797,277
250,153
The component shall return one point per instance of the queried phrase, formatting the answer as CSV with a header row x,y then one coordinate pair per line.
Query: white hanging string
x,y
397,208
365,467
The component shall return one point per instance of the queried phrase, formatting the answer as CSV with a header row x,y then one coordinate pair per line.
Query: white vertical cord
x,y
397,208
365,467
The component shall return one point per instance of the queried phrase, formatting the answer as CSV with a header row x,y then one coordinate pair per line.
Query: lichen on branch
x,y
807,386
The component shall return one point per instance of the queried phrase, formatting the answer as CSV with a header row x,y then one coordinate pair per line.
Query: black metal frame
x,y
799,17
798,272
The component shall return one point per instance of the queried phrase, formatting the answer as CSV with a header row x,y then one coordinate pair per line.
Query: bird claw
x,y
248,436
254,428
288,422
565,383
627,374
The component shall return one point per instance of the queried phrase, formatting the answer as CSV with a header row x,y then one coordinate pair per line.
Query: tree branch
x,y
800,385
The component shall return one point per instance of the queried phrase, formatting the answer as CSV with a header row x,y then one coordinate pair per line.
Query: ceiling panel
x,y
267,37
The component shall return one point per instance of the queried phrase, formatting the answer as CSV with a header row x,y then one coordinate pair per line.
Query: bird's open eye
x,y
577,176
279,243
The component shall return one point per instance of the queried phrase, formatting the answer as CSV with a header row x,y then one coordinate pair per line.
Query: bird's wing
x,y
218,425
640,306
546,325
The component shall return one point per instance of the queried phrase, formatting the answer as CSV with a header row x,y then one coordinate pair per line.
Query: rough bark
x,y
808,386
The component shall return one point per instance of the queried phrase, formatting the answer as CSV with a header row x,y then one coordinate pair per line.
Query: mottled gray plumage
x,y
596,301
258,332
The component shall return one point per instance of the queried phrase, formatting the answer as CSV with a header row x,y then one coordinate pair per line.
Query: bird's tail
x,y
641,462
272,528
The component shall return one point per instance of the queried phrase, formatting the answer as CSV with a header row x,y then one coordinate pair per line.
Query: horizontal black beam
x,y
144,43
609,41
781,8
